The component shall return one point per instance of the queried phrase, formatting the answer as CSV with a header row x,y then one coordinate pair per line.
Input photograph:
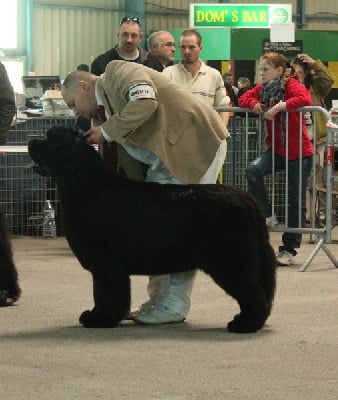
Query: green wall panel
x,y
247,44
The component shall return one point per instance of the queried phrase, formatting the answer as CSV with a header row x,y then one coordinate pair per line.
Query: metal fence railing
x,y
23,192
248,141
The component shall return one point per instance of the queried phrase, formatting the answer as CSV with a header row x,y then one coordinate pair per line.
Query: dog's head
x,y
61,153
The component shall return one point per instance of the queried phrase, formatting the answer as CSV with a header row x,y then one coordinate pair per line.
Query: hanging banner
x,y
239,15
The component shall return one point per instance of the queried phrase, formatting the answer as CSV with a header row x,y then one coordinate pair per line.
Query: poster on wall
x,y
288,49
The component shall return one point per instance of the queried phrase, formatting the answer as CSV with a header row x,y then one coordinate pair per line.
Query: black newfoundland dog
x,y
117,227
9,287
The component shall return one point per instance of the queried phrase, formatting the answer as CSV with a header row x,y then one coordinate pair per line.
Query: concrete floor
x,y
46,354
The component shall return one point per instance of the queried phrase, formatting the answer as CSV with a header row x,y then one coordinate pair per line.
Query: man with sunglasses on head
x,y
129,36
162,47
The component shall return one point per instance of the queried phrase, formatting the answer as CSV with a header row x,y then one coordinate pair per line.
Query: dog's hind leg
x,y
244,266
254,310
9,287
112,301
267,276
241,280
250,296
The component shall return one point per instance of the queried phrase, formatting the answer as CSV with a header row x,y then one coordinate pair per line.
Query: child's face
x,y
268,72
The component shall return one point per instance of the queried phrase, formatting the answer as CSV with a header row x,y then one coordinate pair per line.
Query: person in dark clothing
x,y
243,85
129,37
230,89
7,104
83,67
162,47
127,49
9,286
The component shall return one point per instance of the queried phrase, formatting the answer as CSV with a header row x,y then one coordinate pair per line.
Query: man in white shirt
x,y
201,80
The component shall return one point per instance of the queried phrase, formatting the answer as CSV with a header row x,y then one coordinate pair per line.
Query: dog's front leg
x,y
112,301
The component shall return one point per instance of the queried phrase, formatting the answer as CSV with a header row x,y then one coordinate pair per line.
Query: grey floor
x,y
46,354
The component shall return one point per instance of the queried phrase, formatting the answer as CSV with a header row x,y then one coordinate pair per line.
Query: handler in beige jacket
x,y
158,124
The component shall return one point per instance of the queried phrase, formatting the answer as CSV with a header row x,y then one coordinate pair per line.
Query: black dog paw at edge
x,y
83,316
6,299
240,325
90,319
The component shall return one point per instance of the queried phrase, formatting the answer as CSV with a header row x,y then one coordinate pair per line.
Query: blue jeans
x,y
261,167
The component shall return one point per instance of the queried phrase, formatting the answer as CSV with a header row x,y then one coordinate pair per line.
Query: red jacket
x,y
296,96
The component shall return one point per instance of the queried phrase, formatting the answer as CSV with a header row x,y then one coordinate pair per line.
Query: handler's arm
x,y
120,125
133,96
133,115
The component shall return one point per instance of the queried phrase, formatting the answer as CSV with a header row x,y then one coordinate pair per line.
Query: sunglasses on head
x,y
126,19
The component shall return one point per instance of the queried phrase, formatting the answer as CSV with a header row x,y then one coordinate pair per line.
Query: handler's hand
x,y
94,135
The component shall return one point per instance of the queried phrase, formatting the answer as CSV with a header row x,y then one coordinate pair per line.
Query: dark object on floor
x,y
117,227
9,287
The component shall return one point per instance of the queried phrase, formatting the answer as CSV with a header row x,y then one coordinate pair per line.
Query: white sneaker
x,y
271,221
157,315
285,258
144,307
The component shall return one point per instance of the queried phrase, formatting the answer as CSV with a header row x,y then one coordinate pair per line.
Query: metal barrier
x,y
22,192
324,235
248,141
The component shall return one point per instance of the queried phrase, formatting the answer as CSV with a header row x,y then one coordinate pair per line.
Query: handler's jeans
x,y
174,291
261,167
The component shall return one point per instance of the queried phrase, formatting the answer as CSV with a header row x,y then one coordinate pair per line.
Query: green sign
x,y
239,15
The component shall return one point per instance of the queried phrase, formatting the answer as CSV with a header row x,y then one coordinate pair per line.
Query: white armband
x,y
140,91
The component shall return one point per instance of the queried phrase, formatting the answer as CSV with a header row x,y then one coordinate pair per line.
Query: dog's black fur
x,y
9,286
117,227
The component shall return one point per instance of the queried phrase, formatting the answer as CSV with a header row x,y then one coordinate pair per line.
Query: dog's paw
x,y
92,319
83,316
244,325
7,298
